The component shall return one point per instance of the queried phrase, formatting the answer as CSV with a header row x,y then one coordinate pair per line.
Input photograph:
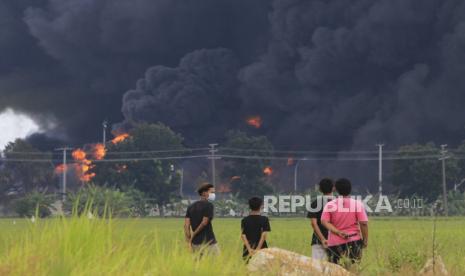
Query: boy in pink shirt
x,y
347,222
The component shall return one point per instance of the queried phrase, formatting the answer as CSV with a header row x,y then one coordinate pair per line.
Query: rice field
x,y
82,246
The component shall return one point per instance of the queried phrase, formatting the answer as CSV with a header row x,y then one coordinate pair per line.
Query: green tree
x,y
247,175
420,173
25,173
34,204
144,167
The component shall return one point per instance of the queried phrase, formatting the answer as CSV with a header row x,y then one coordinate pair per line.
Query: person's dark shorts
x,y
351,250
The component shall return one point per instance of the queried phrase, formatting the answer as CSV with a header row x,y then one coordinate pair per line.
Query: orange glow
x,y
79,154
99,151
83,165
268,171
120,138
254,121
290,161
60,169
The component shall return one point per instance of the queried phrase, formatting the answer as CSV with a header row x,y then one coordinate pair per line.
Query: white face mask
x,y
211,196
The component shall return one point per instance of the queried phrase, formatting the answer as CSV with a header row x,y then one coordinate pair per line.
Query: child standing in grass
x,y
320,233
254,229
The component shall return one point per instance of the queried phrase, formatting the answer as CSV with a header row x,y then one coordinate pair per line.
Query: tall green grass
x,y
83,246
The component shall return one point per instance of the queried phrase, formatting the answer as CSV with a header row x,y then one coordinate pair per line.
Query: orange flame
x,y
99,151
79,155
83,165
268,171
254,121
120,138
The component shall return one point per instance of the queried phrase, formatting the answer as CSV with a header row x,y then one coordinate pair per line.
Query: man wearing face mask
x,y
198,228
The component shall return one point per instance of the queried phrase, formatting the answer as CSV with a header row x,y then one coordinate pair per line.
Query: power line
x,y
155,151
355,152
326,152
255,157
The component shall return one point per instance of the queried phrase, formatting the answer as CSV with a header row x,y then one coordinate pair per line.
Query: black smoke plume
x,y
332,73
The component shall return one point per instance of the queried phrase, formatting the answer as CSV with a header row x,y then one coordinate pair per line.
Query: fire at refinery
x,y
254,121
99,151
60,169
120,138
268,171
82,165
83,159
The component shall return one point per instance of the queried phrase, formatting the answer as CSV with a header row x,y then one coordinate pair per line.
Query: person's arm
x,y
245,240
187,229
364,230
247,244
202,225
316,229
333,229
187,232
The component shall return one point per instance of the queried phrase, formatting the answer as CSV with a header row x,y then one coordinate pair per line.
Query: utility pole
x,y
444,188
104,125
213,157
296,168
65,169
380,169
182,183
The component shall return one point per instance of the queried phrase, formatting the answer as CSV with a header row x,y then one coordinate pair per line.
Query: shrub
x,y
102,201
34,204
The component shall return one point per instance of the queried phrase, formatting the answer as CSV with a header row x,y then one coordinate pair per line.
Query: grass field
x,y
80,246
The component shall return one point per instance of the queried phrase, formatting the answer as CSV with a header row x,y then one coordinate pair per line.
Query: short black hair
x,y
204,188
255,203
343,186
326,185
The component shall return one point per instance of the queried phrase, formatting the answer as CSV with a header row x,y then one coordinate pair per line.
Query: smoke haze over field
x,y
331,73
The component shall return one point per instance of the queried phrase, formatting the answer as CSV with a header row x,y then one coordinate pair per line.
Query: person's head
x,y
255,203
343,187
207,191
326,186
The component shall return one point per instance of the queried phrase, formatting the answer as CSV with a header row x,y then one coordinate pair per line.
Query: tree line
x,y
130,181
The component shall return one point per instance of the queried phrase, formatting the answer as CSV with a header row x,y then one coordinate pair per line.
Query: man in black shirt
x,y
254,229
198,228
320,233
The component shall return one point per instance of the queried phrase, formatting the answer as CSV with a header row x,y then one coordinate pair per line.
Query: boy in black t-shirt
x,y
320,233
198,227
254,229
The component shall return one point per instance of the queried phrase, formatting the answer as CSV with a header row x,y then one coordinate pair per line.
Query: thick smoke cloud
x,y
356,72
96,49
197,98
332,73
22,75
